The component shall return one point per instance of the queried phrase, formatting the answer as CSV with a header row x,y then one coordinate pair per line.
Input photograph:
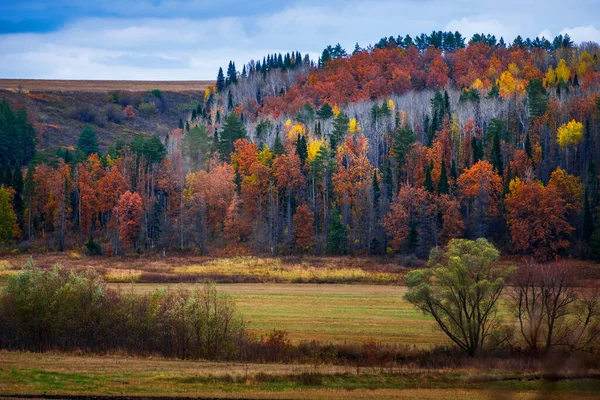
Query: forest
x,y
391,149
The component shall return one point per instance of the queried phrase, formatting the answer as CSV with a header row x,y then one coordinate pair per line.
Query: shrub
x,y
84,113
93,247
113,113
148,109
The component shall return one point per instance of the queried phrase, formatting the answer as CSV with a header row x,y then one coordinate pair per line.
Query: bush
x,y
84,113
113,113
148,109
65,310
93,247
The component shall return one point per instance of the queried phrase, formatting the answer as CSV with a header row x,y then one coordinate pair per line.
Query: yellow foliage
x,y
570,188
336,110
391,105
207,92
582,68
265,157
288,124
513,186
353,126
550,76
513,69
297,129
313,149
510,85
569,134
478,84
563,73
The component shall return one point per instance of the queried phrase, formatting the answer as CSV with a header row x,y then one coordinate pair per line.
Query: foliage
x,y
569,134
460,290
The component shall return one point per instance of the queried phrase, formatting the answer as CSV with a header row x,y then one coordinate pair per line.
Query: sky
x,y
190,40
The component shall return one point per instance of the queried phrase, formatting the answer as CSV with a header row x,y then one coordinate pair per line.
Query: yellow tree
x,y
563,73
568,135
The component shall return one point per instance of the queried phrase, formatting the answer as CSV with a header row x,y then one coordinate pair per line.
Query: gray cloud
x,y
171,46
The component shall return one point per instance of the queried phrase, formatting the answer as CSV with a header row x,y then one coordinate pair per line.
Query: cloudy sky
x,y
187,40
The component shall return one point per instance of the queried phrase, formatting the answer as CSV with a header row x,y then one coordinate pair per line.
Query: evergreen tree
x,y
88,141
594,244
220,80
401,142
528,149
325,112
497,155
336,235
8,176
453,171
340,128
443,185
537,96
301,148
233,130
180,124
231,73
376,195
229,101
428,183
477,147
278,148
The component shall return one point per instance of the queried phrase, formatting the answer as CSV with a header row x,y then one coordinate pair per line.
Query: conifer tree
x,y
428,183
220,80
336,235
278,148
88,141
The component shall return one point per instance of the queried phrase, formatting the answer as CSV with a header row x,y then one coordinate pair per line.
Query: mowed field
x,y
328,313
51,85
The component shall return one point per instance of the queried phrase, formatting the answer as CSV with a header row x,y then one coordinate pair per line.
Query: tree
x,y
536,216
569,134
220,80
304,236
538,97
232,130
336,233
325,112
443,185
88,142
128,112
8,219
129,212
460,290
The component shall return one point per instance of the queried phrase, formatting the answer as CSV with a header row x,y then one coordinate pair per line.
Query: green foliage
x,y
149,147
88,141
443,185
336,235
537,96
278,148
497,155
232,130
326,111
340,128
17,136
428,183
8,218
460,290
301,148
306,114
402,141
196,147
93,247
148,109
262,130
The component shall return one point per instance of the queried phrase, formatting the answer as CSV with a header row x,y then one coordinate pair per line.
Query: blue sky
x,y
186,39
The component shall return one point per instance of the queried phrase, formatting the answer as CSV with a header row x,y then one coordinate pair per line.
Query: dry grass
x,y
56,374
156,269
46,85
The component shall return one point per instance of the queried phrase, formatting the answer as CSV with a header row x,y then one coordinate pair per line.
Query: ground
x,y
368,308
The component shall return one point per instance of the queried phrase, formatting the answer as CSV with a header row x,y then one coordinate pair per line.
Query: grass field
x,y
55,374
46,85
330,313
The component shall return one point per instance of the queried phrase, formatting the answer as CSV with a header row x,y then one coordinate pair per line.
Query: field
x,y
330,313
49,85
278,293
52,374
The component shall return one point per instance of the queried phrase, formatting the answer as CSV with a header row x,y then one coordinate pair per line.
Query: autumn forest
x,y
390,149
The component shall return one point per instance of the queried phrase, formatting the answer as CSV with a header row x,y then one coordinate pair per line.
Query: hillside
x,y
61,108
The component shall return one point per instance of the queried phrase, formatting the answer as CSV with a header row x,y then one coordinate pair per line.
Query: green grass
x,y
27,373
336,313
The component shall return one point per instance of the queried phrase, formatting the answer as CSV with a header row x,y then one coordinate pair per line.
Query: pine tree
x,y
428,183
443,185
497,155
278,148
325,112
301,148
220,80
229,101
376,195
528,149
8,218
336,235
340,128
88,141
232,130
401,143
